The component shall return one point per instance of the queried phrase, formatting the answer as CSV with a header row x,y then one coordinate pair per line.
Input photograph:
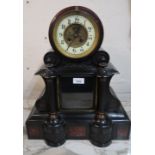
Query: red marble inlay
x,y
122,131
33,131
77,131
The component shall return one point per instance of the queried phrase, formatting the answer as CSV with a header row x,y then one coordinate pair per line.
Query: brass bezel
x,y
85,53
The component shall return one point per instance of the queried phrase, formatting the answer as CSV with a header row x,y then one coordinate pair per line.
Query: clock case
x,y
56,120
77,101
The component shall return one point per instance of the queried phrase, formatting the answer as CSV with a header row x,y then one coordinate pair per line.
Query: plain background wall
x,y
115,16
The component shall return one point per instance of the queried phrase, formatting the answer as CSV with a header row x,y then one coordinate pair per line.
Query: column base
x,y
101,132
54,132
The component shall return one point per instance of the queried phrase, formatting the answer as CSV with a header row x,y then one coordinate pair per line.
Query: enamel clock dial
x,y
76,32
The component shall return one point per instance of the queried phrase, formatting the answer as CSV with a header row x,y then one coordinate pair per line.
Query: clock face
x,y
76,32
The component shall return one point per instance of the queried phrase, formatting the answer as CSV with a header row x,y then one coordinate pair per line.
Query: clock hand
x,y
70,44
76,34
77,31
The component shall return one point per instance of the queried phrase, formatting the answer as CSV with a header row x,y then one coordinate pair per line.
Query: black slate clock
x,y
77,102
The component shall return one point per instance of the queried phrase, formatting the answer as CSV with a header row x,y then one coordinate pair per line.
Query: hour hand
x,y
70,44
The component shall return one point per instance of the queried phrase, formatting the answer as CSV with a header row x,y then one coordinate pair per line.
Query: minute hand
x,y
70,44
76,34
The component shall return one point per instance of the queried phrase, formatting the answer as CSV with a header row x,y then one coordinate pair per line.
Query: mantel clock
x,y
77,102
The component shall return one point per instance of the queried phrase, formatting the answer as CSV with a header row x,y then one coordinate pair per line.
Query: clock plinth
x,y
78,103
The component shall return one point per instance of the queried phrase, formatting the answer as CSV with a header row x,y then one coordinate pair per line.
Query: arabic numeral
x,y
69,21
87,44
63,26
60,34
76,20
90,38
81,49
74,50
84,23
62,42
89,29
